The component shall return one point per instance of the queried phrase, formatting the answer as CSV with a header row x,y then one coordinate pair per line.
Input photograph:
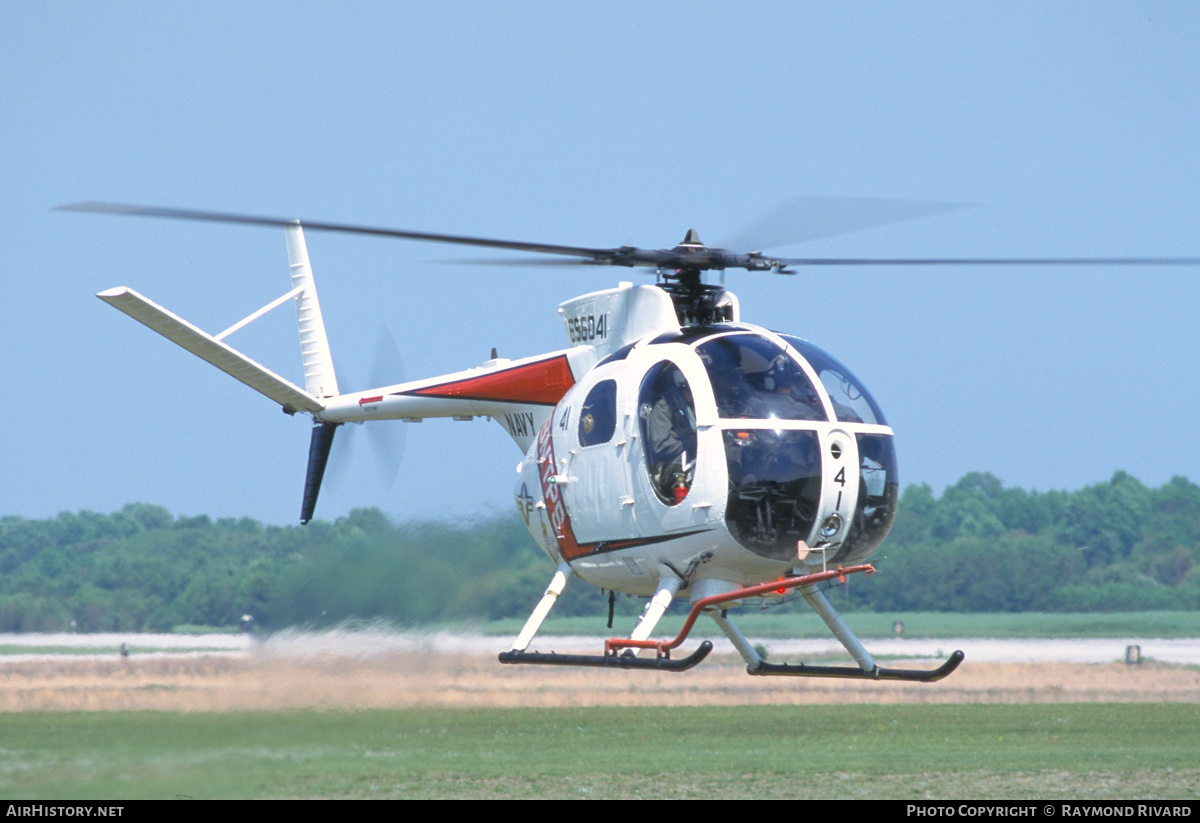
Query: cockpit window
x,y
667,418
774,489
878,491
852,403
598,417
753,377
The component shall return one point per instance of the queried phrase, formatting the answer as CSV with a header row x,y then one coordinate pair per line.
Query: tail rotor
x,y
318,457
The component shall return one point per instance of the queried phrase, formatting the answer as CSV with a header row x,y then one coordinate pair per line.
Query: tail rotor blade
x,y
318,456
387,442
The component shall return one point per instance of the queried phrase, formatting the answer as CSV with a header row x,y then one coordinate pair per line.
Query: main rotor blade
x,y
815,218
523,262
990,261
253,220
681,258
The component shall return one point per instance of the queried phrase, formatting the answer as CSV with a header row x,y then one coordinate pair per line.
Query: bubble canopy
x,y
851,401
782,405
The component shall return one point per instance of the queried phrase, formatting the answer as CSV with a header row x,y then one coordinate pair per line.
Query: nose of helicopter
x,y
809,461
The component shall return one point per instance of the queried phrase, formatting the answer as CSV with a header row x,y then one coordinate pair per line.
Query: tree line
x,y
1112,546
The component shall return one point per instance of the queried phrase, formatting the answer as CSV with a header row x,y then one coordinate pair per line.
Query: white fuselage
x,y
752,481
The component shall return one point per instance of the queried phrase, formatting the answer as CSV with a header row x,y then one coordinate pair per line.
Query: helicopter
x,y
671,452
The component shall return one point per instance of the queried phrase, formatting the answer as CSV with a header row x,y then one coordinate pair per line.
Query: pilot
x,y
786,395
728,381
665,444
670,430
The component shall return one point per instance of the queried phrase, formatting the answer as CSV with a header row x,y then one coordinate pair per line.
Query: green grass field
x,y
1114,752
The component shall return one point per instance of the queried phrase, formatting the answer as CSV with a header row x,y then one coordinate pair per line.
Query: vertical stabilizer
x,y
319,379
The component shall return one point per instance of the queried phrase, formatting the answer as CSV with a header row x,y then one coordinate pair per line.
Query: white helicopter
x,y
672,451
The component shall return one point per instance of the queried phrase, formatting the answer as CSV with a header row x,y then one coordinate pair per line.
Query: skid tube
x,y
629,660
879,673
618,651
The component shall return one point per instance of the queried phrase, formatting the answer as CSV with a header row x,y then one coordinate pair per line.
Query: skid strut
x,y
867,669
619,652
612,657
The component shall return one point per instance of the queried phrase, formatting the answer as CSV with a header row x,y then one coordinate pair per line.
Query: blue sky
x,y
1073,128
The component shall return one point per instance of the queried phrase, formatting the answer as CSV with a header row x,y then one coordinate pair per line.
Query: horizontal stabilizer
x,y
209,348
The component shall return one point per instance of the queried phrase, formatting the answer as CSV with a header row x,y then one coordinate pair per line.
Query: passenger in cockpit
x,y
786,395
669,426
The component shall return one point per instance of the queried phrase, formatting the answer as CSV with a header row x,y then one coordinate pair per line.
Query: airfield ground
x,y
374,715
266,677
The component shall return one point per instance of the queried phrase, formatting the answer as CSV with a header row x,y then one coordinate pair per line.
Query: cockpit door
x,y
675,437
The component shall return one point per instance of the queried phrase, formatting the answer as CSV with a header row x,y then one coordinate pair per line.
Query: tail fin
x,y
319,379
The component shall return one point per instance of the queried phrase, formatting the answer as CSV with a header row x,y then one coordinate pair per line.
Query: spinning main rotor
x,y
680,268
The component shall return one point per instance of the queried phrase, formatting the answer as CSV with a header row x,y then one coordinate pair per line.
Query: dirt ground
x,y
234,682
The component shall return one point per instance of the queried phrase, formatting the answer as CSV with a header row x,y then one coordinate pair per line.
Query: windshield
x,y
753,377
852,403
774,488
878,492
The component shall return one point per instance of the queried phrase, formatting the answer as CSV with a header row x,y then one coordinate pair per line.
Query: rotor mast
x,y
696,303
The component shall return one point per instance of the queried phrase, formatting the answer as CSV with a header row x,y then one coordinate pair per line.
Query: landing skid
x,y
879,673
626,660
620,652
867,669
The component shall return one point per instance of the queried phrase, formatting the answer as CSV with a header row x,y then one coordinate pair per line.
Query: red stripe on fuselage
x,y
556,509
544,383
